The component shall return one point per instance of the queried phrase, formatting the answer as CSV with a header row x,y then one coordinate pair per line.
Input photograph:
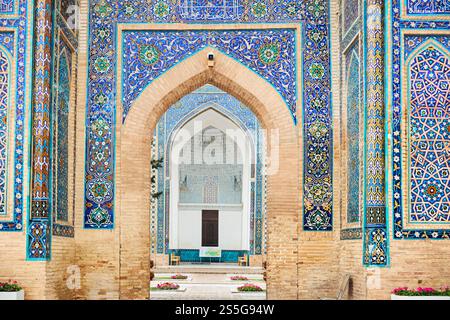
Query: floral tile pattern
x,y
425,56
263,59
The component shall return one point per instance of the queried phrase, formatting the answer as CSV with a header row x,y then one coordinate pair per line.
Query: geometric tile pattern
x,y
429,135
427,6
7,6
61,131
100,139
64,56
425,57
375,230
15,42
40,217
351,234
353,122
5,75
353,136
351,13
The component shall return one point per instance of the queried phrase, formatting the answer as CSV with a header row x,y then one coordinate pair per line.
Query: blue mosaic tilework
x,y
104,14
427,6
189,255
352,80
375,239
270,53
65,43
7,41
5,92
216,10
429,100
353,136
17,48
227,11
190,105
350,13
351,234
39,226
62,132
435,55
7,6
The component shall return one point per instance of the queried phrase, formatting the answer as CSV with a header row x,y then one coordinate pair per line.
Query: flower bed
x,y
10,286
420,293
250,288
167,286
239,278
11,291
179,277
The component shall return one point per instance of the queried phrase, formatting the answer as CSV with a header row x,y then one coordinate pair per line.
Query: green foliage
x,y
10,286
156,164
422,292
250,288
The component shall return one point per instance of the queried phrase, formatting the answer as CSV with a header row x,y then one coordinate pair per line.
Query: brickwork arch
x,y
133,168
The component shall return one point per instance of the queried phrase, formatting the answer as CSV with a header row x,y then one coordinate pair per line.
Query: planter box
x,y
18,295
396,297
248,292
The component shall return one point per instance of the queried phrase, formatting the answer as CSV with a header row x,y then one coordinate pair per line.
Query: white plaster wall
x,y
230,230
190,229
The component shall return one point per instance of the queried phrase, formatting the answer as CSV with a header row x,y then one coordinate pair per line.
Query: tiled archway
x,y
133,168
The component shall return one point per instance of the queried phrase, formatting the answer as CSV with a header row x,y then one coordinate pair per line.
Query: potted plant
x,y
179,277
250,288
404,293
11,291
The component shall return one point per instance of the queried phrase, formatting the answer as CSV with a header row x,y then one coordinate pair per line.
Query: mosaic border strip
x,y
352,234
11,10
39,229
19,25
375,244
66,35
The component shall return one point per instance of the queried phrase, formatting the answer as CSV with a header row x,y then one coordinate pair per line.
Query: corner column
x,y
39,224
375,251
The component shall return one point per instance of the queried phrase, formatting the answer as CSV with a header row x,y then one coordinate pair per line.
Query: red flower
x,y
167,286
396,290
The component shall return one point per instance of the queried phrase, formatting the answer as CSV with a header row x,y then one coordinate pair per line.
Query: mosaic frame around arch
x,y
312,15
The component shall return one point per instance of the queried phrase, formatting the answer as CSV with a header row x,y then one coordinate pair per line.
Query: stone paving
x,y
200,286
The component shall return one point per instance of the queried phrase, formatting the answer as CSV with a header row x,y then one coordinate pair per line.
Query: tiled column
x,y
39,220
375,232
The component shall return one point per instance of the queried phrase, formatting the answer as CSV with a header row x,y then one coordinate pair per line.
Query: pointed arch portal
x,y
133,166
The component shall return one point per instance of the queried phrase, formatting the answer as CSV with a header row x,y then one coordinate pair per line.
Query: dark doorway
x,y
210,228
